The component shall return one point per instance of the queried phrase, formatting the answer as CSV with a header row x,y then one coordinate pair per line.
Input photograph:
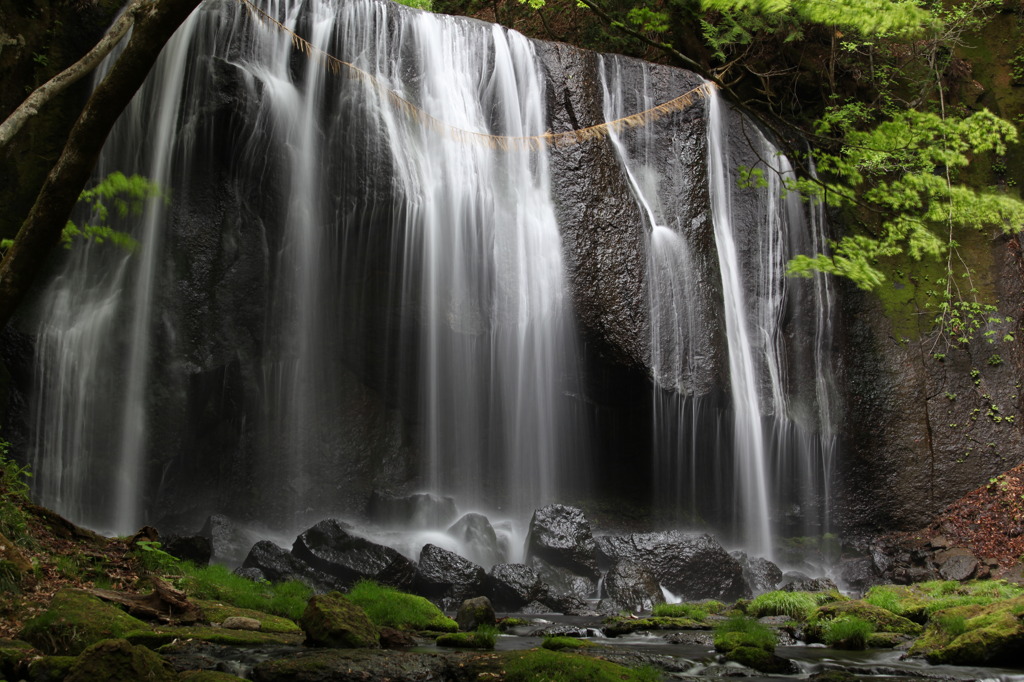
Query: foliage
x,y
13,494
217,582
427,5
389,607
847,632
798,605
555,666
739,630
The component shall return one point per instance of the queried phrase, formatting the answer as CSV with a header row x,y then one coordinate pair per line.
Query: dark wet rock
x,y
390,638
761,574
956,564
632,587
694,637
560,582
117,659
195,548
475,612
478,538
277,564
637,659
356,665
446,577
858,573
566,630
536,608
331,620
511,586
419,510
568,605
560,536
690,565
229,540
330,548
794,581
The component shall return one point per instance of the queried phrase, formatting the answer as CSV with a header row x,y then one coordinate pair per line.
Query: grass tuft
x,y
798,605
389,607
848,632
693,611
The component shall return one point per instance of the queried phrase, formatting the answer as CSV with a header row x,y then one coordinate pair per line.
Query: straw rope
x,y
504,142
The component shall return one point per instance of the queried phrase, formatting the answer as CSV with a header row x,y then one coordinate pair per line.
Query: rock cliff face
x,y
236,423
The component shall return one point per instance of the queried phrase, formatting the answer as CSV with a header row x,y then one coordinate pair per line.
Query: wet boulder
x,y
117,659
512,586
277,564
475,533
329,547
475,612
692,566
445,577
229,540
195,548
858,573
560,581
560,537
761,574
956,564
795,581
632,587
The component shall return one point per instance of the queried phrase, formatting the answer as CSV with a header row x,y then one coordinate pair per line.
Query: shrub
x,y
739,630
389,607
798,605
848,632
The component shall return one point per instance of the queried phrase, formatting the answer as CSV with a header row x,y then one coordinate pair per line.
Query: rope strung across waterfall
x,y
504,142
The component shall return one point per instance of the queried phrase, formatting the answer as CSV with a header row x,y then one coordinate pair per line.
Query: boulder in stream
x,y
560,536
347,558
447,577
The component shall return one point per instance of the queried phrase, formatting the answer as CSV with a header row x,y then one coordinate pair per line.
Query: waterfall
x,y
318,209
769,453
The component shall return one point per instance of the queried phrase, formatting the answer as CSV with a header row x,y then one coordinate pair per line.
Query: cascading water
x,y
774,444
316,176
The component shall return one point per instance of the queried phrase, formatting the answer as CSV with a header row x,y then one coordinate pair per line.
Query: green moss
x,y
561,643
903,601
509,623
389,607
741,631
975,635
693,611
618,625
885,640
797,605
881,619
12,653
75,620
116,659
332,620
217,612
556,666
484,637
759,659
159,636
50,668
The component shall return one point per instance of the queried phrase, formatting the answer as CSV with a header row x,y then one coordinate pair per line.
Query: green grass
x,y
542,665
13,495
739,630
798,605
953,624
694,611
389,607
848,632
555,643
484,637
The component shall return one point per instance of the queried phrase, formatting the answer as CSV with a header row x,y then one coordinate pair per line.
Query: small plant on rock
x,y
848,632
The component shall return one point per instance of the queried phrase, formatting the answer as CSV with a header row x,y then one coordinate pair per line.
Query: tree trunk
x,y
155,22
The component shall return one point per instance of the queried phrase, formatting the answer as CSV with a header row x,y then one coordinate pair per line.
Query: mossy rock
x,y
563,643
729,641
760,660
207,676
13,653
158,636
902,600
356,664
990,635
332,620
51,668
886,640
883,620
217,612
542,664
617,625
74,621
117,660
